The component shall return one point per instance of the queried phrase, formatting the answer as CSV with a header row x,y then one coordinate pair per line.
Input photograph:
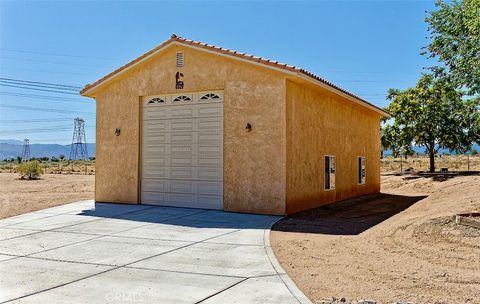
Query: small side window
x,y
330,170
362,171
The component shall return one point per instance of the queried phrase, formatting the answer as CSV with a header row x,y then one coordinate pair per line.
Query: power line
x,y
41,130
37,89
47,97
43,109
38,86
34,120
50,72
56,62
56,54
42,83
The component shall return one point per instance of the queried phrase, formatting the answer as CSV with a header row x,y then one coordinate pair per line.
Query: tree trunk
x,y
431,154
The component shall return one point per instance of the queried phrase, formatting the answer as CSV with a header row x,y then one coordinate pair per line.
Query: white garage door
x,y
182,150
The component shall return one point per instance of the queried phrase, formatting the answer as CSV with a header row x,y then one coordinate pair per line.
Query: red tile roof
x,y
268,62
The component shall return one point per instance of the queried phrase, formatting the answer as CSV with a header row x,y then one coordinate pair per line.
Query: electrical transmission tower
x,y
26,149
78,149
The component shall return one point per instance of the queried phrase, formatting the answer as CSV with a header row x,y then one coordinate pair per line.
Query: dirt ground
x,y
21,196
401,245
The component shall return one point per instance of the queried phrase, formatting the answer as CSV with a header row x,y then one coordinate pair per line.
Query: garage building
x,y
194,125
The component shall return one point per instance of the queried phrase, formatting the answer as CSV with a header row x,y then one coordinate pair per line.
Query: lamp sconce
x,y
117,131
248,127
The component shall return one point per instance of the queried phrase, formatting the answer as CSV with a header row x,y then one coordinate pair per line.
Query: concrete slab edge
x,y
289,283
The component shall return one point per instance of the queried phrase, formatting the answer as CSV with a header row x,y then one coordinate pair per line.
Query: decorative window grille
x,y
182,98
209,96
156,100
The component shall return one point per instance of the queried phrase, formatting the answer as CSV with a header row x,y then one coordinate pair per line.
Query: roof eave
x,y
350,97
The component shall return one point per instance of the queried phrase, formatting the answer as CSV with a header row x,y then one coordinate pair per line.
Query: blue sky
x,y
365,47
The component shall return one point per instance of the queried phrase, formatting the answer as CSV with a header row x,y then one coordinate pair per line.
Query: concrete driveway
x,y
104,253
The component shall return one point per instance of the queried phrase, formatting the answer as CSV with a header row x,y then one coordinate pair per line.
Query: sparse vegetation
x,y
30,170
418,163
53,166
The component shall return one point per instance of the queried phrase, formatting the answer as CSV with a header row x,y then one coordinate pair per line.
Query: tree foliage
x,y
432,114
455,40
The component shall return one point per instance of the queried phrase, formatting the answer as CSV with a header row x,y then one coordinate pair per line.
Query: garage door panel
x,y
210,200
209,188
187,173
152,139
212,138
183,161
183,137
155,113
182,198
207,173
182,153
182,125
210,162
182,186
182,149
156,126
154,197
182,111
160,173
159,149
155,185
160,161
209,124
210,110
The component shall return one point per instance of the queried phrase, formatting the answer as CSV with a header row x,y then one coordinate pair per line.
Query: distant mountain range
x,y
10,148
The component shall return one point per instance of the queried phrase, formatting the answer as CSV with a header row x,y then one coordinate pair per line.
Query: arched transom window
x,y
182,98
209,96
156,100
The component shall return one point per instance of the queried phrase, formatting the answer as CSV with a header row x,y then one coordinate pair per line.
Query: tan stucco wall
x,y
254,162
320,123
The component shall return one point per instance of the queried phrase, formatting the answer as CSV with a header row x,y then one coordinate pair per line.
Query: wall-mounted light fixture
x,y
117,131
248,127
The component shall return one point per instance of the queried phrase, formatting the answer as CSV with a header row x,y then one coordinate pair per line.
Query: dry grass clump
x,y
421,163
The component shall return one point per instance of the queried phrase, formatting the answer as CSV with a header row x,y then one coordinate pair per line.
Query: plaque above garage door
x,y
182,150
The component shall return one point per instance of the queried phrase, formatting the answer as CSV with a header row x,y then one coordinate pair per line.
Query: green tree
x,y
429,115
62,157
396,141
455,41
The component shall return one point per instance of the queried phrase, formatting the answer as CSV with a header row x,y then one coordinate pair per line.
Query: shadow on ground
x,y
186,217
349,217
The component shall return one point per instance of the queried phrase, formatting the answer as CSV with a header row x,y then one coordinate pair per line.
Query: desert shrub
x,y
30,170
474,152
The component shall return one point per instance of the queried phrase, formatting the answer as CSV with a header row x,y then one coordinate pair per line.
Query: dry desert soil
x,y
21,196
401,245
